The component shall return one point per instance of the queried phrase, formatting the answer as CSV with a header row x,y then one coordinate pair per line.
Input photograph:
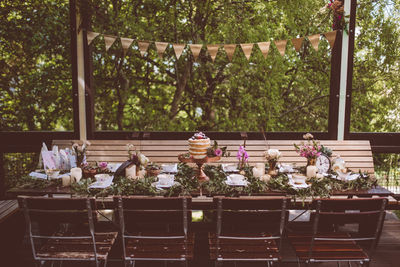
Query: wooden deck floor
x,y
387,253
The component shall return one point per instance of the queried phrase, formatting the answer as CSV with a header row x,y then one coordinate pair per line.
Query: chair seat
x,y
327,250
159,248
78,248
243,249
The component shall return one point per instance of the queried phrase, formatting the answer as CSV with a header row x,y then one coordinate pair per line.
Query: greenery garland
x,y
187,185
28,182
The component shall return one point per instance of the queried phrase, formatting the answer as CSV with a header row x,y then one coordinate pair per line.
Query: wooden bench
x,y
7,209
356,153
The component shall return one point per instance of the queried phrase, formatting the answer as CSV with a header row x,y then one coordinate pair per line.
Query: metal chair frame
x,y
374,238
125,235
279,237
32,237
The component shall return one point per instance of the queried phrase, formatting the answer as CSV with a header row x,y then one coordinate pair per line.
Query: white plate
x,y
348,177
102,184
230,168
241,183
161,186
298,186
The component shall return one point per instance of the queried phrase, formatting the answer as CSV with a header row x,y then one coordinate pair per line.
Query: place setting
x,y
236,180
165,181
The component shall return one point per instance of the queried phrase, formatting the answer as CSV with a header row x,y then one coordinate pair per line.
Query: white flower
x,y
308,136
143,159
130,147
272,154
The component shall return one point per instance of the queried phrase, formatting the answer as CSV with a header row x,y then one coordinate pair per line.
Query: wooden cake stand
x,y
201,176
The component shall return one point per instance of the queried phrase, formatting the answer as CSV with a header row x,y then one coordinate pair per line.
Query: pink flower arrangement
x,y
311,149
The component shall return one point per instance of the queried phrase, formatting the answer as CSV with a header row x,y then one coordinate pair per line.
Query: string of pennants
x,y
213,48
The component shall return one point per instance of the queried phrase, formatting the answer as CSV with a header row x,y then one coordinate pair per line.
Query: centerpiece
x,y
311,150
272,156
135,163
200,152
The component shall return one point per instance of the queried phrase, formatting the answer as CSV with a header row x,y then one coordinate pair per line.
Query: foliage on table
x,y
35,183
143,186
321,187
217,183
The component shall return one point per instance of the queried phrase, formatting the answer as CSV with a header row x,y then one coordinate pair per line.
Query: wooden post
x,y
2,176
343,76
350,64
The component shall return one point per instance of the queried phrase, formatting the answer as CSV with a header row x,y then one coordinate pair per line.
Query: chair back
x,y
57,219
253,218
332,214
157,218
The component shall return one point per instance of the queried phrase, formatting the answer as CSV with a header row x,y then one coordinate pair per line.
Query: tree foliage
x,y
36,92
152,93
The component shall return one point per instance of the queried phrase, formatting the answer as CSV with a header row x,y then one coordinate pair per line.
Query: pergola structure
x,y
83,102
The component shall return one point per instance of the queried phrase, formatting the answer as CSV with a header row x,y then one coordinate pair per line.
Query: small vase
x,y
272,168
311,169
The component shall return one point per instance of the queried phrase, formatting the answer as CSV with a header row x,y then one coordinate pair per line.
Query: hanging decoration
x,y
178,48
109,40
281,45
196,49
161,46
264,47
297,42
331,37
214,48
247,49
91,36
126,43
314,39
143,46
230,50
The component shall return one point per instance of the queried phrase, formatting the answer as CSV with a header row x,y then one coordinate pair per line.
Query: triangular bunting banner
x,y
247,48
213,50
91,36
314,39
281,45
109,40
264,47
331,37
161,46
143,46
195,48
297,42
126,43
230,50
178,48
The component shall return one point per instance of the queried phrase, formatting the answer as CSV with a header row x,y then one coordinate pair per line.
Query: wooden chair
x,y
248,229
155,228
62,229
344,230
